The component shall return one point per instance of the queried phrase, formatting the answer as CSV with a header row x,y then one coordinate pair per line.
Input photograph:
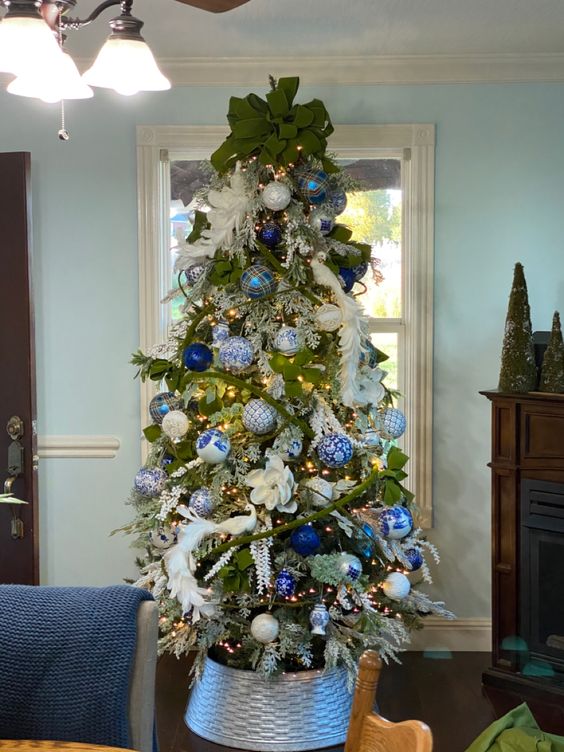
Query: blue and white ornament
x,y
287,341
220,332
359,271
369,354
150,481
337,199
395,522
393,422
414,557
259,417
396,586
276,196
236,354
257,281
163,537
167,459
175,424
319,619
305,540
346,278
213,446
270,234
371,439
163,403
285,583
201,501
197,357
322,221
313,184
350,566
293,451
335,450
193,273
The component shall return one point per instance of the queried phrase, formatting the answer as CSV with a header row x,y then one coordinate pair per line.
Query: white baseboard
x,y
78,447
472,635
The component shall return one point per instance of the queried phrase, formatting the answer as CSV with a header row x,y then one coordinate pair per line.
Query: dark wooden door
x,y
19,550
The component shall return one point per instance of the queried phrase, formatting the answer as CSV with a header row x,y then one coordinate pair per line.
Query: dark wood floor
x,y
444,691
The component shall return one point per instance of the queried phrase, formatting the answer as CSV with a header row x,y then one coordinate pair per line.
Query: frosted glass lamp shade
x,y
63,81
128,66
27,43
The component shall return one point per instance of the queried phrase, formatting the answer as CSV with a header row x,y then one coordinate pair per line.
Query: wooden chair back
x,y
368,732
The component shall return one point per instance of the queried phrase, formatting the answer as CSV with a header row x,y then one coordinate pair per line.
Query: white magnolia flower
x,y
274,486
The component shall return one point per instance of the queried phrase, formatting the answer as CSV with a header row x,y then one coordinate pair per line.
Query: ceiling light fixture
x,y
32,34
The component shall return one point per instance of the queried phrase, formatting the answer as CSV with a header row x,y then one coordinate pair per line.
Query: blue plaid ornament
x,y
335,450
367,541
201,501
197,357
236,354
393,422
150,481
321,221
414,557
313,185
337,199
395,522
213,446
162,403
305,540
270,234
259,417
257,281
285,584
350,566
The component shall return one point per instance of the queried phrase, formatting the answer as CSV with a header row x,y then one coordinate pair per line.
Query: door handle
x,y
15,429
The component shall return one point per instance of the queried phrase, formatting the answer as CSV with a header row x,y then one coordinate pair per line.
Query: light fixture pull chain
x,y
63,134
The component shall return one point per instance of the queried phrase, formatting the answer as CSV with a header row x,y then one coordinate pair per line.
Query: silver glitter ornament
x,y
276,196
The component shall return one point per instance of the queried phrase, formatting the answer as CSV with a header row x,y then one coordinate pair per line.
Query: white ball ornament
x,y
319,491
328,317
396,586
175,424
287,341
265,628
276,196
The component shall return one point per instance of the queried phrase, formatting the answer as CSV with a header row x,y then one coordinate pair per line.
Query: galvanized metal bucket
x,y
289,713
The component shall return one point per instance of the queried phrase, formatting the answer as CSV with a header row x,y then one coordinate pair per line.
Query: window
x,y
393,211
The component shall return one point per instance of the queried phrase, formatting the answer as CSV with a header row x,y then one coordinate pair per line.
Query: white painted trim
x,y
472,635
78,447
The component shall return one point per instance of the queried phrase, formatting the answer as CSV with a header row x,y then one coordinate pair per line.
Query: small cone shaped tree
x,y
552,373
518,372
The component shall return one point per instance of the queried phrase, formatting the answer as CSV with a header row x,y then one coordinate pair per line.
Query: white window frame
x,y
415,145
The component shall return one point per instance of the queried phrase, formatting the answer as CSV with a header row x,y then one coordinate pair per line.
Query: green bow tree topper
x,y
277,131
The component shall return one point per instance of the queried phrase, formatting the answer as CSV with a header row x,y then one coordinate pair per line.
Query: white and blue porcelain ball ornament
x,y
414,557
150,481
322,221
201,501
287,341
393,422
163,537
236,354
213,446
335,450
395,522
313,184
270,234
259,417
197,357
193,273
285,583
293,451
163,403
396,586
220,332
175,424
350,566
257,281
276,196
337,199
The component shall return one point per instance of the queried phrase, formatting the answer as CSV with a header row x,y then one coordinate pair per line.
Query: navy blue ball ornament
x,y
197,357
193,273
236,354
150,481
393,422
285,584
257,281
304,540
337,199
201,501
346,278
414,557
350,566
335,450
395,522
359,271
313,185
163,403
270,234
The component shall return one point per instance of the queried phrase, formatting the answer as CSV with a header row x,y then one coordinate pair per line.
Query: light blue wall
x,y
500,172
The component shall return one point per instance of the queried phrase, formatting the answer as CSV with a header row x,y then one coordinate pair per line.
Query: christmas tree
x,y
277,530
552,372
518,371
